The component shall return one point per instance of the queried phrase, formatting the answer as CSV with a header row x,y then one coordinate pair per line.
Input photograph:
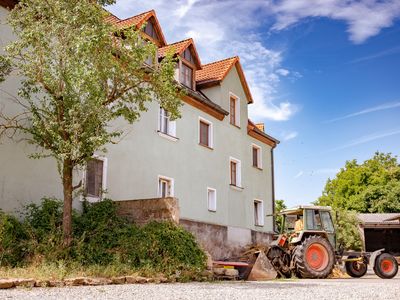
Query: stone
x,y
74,281
118,280
219,271
6,283
231,273
42,283
28,283
96,281
137,279
56,283
209,260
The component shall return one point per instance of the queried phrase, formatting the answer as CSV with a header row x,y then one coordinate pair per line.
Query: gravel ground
x,y
368,287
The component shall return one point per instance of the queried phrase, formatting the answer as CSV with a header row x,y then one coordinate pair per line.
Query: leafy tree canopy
x,y
370,187
279,206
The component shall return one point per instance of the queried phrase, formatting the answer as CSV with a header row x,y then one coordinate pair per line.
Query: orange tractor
x,y
306,247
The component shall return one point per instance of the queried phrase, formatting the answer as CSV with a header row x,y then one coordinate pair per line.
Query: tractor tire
x,y
386,266
313,258
355,269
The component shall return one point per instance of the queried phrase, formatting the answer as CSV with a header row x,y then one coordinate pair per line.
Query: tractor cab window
x,y
313,219
327,221
290,221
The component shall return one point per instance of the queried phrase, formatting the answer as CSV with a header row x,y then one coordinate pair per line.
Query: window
x,y
95,177
212,199
235,172
257,159
234,112
205,133
258,213
188,55
165,125
165,187
186,75
313,220
150,30
327,221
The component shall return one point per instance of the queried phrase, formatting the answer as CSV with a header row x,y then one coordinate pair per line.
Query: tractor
x,y
306,247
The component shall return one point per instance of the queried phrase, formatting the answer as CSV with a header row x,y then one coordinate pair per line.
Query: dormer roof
x,y
214,73
179,47
137,22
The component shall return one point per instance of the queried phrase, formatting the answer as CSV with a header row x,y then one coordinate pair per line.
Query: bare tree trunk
x,y
67,212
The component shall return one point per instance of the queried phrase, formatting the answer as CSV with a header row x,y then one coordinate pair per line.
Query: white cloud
x,y
286,136
283,72
298,175
367,139
367,111
219,35
364,18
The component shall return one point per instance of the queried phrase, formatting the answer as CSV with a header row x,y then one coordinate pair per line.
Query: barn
x,y
381,231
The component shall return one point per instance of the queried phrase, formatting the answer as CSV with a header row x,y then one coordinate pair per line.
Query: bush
x,y
12,240
101,237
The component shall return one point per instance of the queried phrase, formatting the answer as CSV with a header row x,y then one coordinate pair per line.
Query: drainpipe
x,y
273,190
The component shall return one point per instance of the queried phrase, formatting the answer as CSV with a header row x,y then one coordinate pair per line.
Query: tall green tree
x,y
79,74
370,187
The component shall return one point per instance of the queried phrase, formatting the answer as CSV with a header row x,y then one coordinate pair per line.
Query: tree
x,y
370,187
79,74
279,206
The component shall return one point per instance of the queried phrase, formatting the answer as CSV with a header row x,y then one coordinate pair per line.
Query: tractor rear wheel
x,y
386,266
356,269
314,258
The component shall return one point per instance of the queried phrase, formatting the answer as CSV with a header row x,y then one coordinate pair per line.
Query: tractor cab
x,y
302,221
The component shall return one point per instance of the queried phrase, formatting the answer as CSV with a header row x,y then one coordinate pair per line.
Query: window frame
x,y
258,206
213,206
210,133
236,123
171,186
259,156
92,198
170,131
182,74
238,173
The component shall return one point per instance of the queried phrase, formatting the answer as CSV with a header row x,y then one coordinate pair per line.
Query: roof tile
x,y
177,47
215,71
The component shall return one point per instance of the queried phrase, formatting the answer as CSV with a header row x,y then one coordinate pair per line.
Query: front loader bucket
x,y
262,268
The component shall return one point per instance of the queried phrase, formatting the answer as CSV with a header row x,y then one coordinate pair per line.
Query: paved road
x,y
369,287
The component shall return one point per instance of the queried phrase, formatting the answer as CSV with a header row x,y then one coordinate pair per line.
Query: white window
x,y
212,199
95,180
165,187
234,110
258,213
165,125
256,156
205,133
235,172
186,75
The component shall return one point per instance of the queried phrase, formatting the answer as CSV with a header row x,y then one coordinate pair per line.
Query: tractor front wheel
x,y
314,258
386,266
356,269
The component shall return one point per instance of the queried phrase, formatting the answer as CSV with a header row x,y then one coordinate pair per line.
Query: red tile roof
x,y
213,73
178,48
136,22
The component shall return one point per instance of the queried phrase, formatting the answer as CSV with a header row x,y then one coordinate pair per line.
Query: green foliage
x,y
279,206
348,234
12,238
100,238
370,187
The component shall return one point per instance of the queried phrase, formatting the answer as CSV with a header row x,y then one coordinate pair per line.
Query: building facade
x,y
214,160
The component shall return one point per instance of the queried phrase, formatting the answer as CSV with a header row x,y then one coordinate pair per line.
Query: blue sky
x,y
325,75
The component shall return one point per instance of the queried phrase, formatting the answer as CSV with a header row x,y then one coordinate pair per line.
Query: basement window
x,y
212,199
165,187
258,213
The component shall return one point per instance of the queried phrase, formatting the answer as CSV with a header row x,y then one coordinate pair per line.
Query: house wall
x,y
144,154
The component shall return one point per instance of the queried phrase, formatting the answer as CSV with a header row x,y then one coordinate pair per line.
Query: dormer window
x,y
188,55
150,30
186,75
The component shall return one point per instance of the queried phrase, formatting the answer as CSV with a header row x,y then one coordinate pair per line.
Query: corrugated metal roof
x,y
388,218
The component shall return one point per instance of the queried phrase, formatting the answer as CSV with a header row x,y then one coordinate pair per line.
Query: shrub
x,y
12,238
101,238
